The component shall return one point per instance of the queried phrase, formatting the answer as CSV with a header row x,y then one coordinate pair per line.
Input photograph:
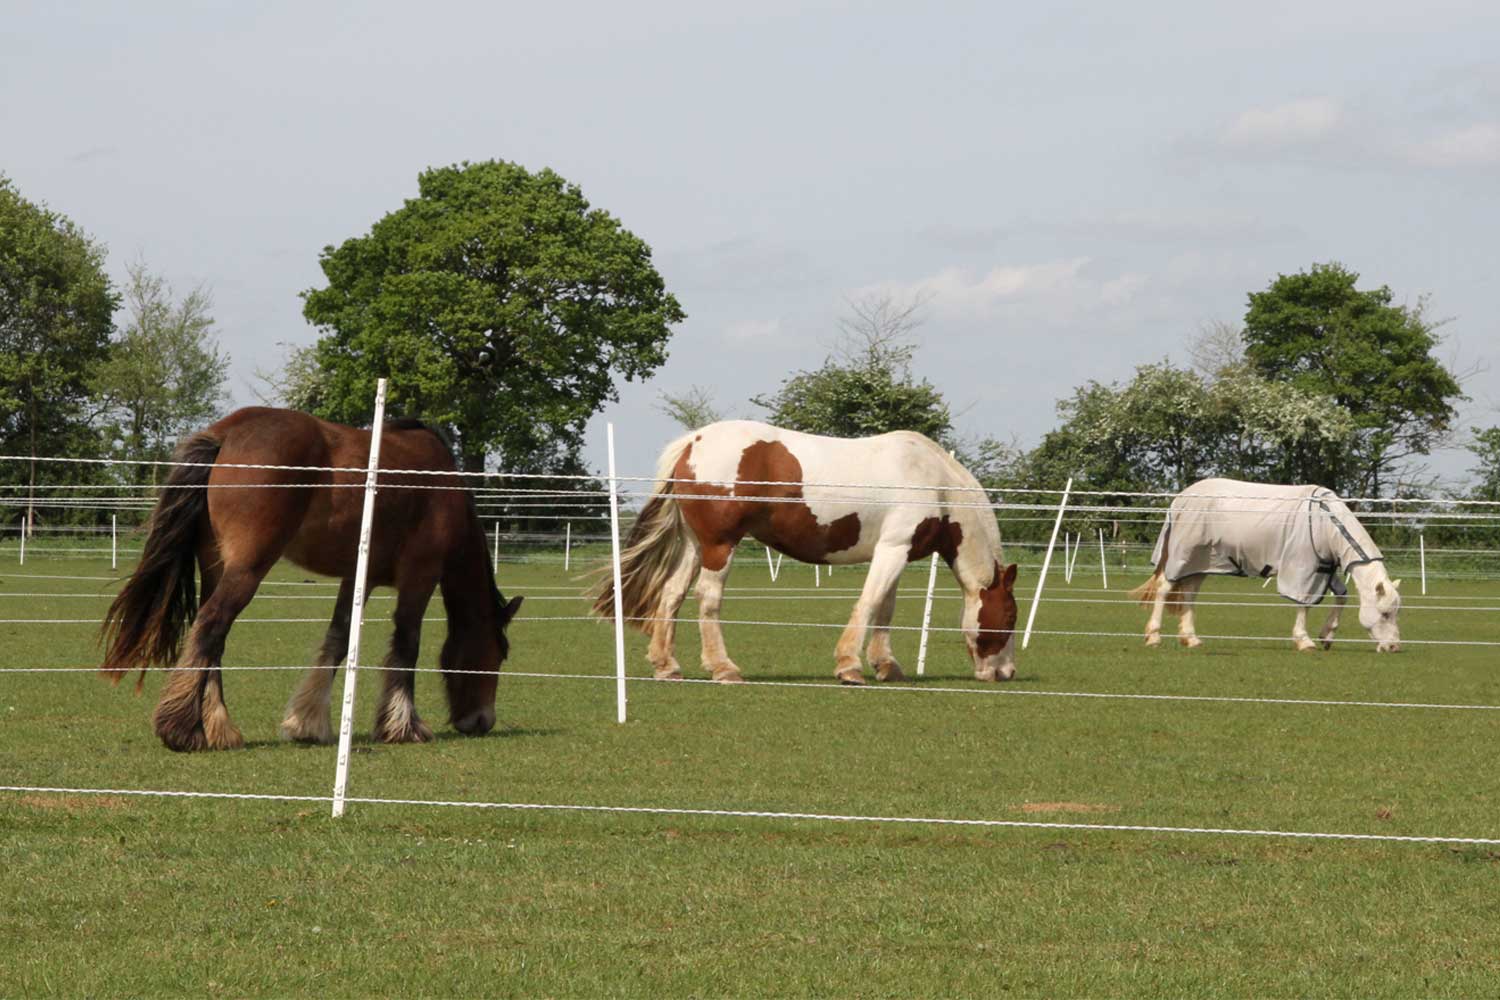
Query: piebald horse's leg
x,y
396,718
885,571
1187,632
663,631
307,718
710,598
1300,638
191,714
878,652
1332,624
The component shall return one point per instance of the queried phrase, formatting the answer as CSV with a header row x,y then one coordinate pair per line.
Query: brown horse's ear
x,y
509,611
1009,579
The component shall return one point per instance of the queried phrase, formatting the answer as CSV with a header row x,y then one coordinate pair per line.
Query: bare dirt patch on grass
x,y
1067,807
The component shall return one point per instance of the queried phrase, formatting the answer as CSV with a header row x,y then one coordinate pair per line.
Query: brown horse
x,y
235,523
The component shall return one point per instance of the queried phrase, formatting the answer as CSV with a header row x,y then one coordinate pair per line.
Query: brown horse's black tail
x,y
144,624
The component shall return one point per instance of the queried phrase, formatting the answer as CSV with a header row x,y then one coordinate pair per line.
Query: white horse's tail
x,y
1146,592
657,543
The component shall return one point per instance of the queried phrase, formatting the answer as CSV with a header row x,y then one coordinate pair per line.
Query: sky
x,y
1077,189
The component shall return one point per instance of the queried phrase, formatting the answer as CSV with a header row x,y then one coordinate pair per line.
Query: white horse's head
x,y
990,624
1378,606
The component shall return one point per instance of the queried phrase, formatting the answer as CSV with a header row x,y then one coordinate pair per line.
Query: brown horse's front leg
x,y
396,719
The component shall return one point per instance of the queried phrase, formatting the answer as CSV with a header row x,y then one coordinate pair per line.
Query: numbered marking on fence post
x,y
614,539
357,614
1041,580
926,616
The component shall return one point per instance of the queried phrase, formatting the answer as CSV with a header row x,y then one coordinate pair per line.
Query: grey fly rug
x,y
1305,535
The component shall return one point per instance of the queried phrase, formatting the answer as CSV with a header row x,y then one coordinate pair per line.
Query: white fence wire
x,y
565,507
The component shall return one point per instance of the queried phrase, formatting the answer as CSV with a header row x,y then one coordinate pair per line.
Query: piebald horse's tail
x,y
144,624
657,544
1146,592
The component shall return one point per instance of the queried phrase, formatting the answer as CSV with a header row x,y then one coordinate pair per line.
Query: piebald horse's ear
x,y
509,611
1009,577
1395,584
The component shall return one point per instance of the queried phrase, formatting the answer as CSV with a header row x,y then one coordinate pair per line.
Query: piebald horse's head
x,y
989,626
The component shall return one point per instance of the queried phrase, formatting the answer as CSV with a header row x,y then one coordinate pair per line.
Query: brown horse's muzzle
x,y
477,722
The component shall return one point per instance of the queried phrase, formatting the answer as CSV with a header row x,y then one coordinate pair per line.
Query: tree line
x,y
505,309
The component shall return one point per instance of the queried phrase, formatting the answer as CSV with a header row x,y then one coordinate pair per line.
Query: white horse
x,y
1304,535
789,491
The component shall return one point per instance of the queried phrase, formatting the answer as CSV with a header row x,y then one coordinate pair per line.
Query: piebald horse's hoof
x,y
729,674
888,671
668,674
1153,640
1190,641
850,675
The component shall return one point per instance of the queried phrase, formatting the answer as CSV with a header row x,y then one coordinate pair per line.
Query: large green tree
x,y
1317,331
1486,450
499,303
866,387
56,316
166,374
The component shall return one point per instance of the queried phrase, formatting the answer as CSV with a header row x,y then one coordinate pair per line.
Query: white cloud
x,y
1295,123
1118,291
959,291
752,331
1473,146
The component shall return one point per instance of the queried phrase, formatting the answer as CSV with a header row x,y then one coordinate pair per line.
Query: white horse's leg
x,y
1187,632
661,651
710,598
1300,638
885,571
879,651
1158,606
1332,624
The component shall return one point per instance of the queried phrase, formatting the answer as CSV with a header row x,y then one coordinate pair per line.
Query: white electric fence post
x,y
926,616
614,537
1077,548
1067,574
23,541
357,613
1041,579
567,545
770,566
817,575
1103,563
1422,546
114,543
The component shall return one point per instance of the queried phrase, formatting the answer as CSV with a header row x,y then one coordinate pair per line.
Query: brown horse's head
x,y
476,647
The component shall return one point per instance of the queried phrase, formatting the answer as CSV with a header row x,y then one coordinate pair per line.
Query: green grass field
x,y
121,895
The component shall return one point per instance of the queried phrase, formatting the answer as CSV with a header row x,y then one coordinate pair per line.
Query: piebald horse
x,y
233,523
788,490
1303,535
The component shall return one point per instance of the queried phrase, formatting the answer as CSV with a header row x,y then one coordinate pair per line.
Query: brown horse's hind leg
x,y
191,714
306,719
396,718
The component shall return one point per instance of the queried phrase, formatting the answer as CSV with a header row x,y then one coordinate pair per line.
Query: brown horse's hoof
x,y
850,675
889,671
179,742
415,731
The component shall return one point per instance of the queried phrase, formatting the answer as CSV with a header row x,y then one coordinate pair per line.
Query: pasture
x,y
125,895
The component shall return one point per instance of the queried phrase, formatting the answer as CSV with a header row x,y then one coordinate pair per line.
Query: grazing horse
x,y
1304,535
235,522
722,482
